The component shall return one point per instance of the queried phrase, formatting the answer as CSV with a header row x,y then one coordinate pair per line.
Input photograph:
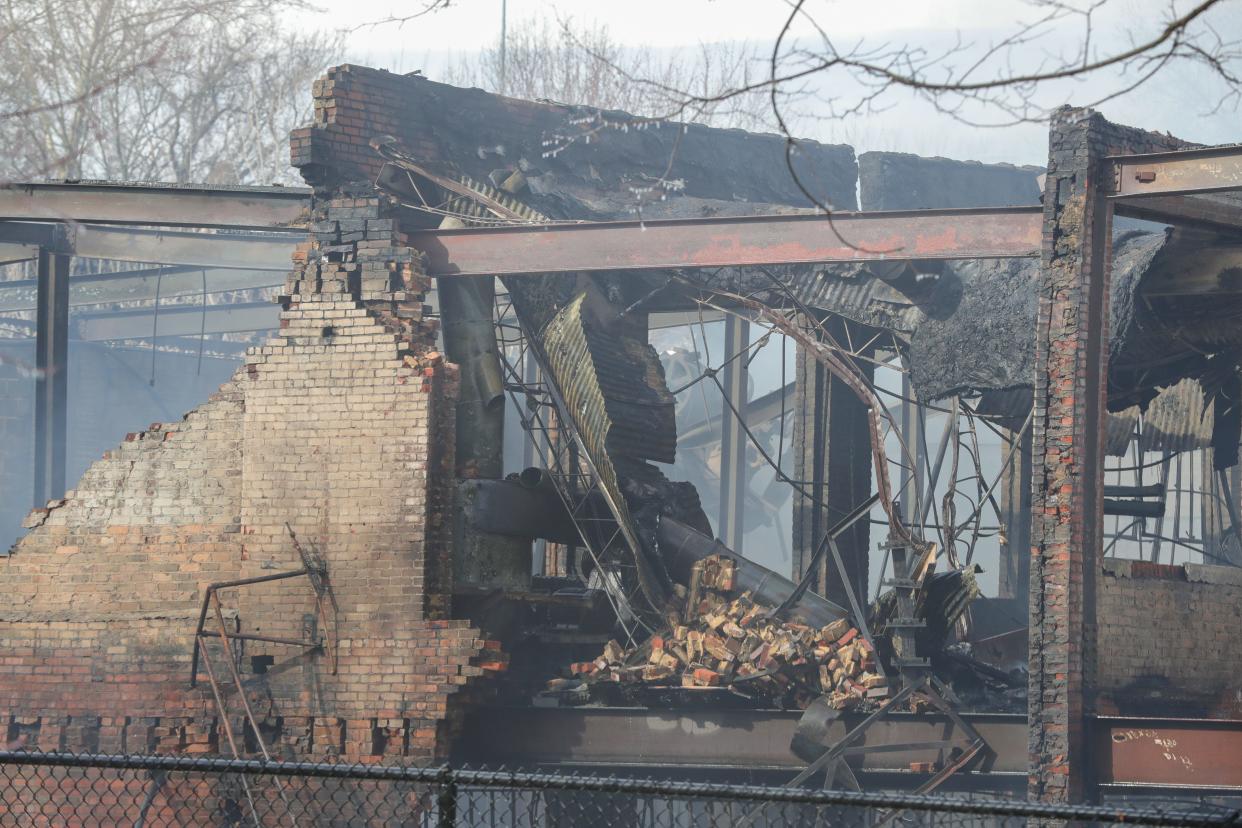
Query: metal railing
x,y
57,789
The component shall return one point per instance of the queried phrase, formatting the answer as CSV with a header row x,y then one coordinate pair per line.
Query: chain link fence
x,y
61,789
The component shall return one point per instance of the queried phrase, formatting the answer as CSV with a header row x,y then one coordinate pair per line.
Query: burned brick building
x,y
332,556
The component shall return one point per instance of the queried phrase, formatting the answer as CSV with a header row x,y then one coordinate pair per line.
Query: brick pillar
x,y
832,461
1065,454
1071,363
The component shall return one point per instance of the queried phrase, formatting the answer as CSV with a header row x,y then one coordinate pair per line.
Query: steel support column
x,y
912,477
734,470
52,378
832,462
1015,565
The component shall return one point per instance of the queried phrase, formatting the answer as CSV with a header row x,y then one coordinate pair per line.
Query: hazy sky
x,y
1179,100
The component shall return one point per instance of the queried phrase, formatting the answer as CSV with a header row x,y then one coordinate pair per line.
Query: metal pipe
x,y
528,508
269,638
1150,490
219,585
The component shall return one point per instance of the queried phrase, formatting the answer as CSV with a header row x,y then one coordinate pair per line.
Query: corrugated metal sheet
x,y
1118,430
577,368
852,292
1178,419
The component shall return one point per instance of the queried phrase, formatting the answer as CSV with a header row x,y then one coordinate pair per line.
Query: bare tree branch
x,y
400,20
179,90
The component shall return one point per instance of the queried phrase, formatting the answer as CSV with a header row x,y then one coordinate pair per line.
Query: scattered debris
x,y
723,640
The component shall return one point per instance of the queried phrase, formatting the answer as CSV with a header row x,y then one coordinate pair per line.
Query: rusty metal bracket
x,y
314,570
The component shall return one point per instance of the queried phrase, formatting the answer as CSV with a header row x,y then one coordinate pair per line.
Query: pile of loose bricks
x,y
722,638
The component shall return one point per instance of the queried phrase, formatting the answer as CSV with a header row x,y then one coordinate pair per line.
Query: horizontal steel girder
x,y
1212,169
721,242
1177,753
139,285
178,320
167,205
250,251
706,738
1130,752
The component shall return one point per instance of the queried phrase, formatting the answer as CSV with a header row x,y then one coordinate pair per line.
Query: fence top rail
x,y
509,779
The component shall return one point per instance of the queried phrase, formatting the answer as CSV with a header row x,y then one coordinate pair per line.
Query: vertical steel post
x,y
912,433
52,378
1015,560
734,475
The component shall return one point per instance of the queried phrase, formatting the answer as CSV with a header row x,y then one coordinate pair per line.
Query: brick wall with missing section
x,y
341,426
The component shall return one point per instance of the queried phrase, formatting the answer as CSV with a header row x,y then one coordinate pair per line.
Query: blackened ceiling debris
x,y
582,163
901,181
963,327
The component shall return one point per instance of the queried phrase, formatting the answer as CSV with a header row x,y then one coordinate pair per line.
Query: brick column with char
x,y
1071,364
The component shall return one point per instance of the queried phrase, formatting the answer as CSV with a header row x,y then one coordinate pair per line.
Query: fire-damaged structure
x,y
404,453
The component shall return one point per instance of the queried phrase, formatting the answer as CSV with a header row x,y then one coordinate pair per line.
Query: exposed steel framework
x,y
1158,186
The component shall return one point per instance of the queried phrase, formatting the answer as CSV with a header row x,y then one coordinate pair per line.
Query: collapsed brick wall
x,y
341,425
110,393
1168,640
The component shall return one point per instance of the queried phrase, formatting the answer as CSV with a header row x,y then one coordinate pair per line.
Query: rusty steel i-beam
x,y
1184,172
737,242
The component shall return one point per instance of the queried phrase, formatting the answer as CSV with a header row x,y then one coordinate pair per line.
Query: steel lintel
x,y
741,241
1176,753
1207,170
165,205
